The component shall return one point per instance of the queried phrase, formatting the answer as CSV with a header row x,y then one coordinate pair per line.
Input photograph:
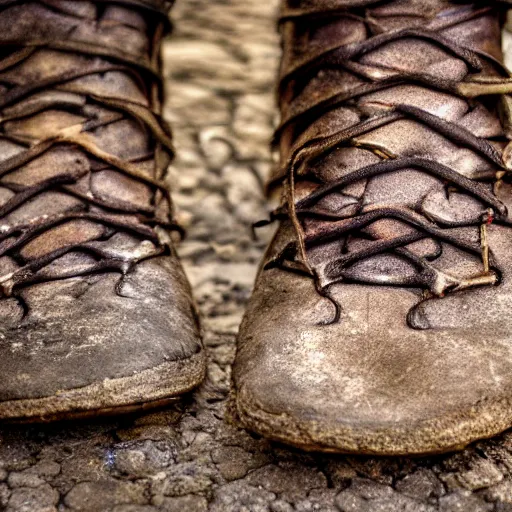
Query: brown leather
x,y
95,311
380,318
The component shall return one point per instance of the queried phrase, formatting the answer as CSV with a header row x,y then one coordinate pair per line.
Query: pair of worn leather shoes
x,y
380,321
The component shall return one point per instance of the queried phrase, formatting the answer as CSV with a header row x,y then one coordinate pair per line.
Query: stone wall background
x,y
220,65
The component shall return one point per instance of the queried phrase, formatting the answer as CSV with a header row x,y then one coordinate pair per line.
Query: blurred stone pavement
x,y
220,67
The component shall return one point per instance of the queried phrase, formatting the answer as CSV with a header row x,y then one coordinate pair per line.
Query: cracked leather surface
x,y
91,286
385,113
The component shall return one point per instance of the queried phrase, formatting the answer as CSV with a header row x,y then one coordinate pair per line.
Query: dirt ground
x,y
220,66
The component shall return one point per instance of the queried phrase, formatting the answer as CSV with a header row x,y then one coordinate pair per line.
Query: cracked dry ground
x,y
221,64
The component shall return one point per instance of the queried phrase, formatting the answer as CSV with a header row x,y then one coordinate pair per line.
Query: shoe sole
x,y
146,390
440,435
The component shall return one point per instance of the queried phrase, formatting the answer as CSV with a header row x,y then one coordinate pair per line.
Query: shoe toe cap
x,y
368,383
84,332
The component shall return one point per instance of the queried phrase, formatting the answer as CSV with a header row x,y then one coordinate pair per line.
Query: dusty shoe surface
x,y
380,321
96,314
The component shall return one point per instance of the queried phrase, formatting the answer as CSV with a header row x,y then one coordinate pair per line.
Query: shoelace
x,y
148,223
326,226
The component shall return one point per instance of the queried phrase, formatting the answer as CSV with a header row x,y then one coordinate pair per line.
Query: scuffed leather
x,y
86,74
402,370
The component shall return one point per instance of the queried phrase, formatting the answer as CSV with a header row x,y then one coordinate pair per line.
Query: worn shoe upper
x,y
95,311
380,318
